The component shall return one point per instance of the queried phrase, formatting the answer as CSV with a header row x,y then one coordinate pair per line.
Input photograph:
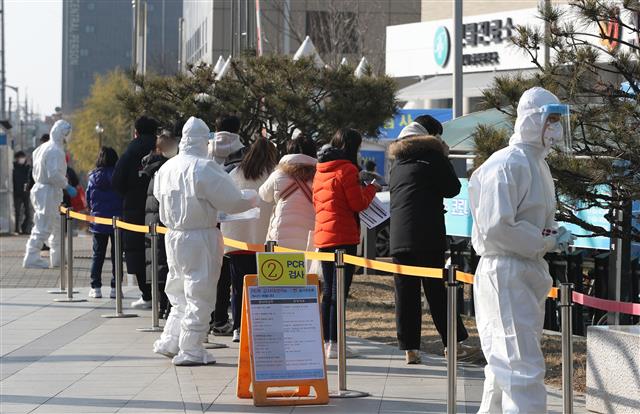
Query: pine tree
x,y
589,62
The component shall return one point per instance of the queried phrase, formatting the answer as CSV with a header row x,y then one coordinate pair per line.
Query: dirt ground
x,y
370,315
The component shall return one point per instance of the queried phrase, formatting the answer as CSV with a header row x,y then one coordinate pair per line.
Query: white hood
x,y
413,129
298,159
195,136
223,144
60,130
530,121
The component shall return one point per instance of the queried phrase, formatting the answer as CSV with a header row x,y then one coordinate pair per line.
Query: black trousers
x,y
408,296
220,314
23,222
240,265
330,292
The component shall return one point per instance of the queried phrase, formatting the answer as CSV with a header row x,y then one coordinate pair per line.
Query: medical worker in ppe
x,y
49,174
512,198
191,189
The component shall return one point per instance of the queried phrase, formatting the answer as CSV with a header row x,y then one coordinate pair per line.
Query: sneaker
x,y
225,329
95,293
141,304
332,351
468,353
412,356
236,335
112,294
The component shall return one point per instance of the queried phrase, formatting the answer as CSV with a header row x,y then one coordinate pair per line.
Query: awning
x,y
441,86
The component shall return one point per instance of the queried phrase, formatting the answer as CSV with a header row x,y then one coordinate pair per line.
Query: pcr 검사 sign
x,y
281,269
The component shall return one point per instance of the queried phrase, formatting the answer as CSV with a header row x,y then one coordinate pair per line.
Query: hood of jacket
x,y
328,153
413,129
415,147
530,120
101,177
223,144
300,166
152,163
60,130
195,137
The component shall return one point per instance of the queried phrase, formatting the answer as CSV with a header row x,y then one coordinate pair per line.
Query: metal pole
x,y
452,337
341,303
546,4
155,297
63,275
117,239
69,252
566,304
3,80
269,247
457,58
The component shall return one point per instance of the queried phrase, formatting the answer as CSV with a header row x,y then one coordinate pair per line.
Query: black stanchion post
x,y
63,274
269,247
566,303
155,294
69,251
452,337
117,239
341,287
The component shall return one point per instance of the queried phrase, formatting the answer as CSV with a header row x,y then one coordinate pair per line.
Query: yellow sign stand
x,y
296,392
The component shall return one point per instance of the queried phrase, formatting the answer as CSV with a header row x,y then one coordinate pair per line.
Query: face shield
x,y
556,132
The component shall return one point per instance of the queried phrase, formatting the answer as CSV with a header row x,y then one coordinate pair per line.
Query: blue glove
x,y
71,191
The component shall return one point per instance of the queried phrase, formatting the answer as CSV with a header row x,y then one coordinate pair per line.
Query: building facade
x,y
97,38
338,28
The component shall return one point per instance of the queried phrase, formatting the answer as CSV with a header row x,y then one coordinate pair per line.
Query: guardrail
x,y
452,278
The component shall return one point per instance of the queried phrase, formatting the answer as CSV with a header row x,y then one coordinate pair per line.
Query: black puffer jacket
x,y
421,177
132,187
150,164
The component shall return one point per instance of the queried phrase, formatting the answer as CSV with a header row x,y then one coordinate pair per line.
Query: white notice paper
x,y
286,333
376,214
252,214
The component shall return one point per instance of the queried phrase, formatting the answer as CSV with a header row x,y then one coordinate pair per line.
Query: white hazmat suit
x,y
50,177
191,189
512,200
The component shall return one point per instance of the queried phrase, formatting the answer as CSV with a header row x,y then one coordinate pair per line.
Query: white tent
x,y
307,49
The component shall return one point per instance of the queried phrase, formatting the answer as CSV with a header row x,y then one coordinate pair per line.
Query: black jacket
x,y
150,164
132,187
21,174
420,178
74,181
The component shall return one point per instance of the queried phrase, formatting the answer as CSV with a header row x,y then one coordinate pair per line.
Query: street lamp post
x,y
99,132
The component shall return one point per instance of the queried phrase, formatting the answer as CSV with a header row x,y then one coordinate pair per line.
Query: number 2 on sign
x,y
272,270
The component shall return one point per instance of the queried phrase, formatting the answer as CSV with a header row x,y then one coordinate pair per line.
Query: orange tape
x,y
137,228
63,210
162,230
394,268
243,246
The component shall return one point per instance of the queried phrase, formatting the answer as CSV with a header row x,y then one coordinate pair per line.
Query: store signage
x,y
490,31
442,46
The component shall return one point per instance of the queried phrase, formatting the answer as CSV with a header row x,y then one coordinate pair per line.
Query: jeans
x,y
329,292
100,241
21,202
408,300
240,265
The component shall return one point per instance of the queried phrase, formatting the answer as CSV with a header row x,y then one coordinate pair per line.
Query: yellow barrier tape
x,y
321,256
137,228
243,246
394,268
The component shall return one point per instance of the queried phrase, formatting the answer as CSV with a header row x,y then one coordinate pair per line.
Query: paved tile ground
x,y
65,358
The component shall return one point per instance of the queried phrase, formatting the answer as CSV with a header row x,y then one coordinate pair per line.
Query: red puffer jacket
x,y
337,198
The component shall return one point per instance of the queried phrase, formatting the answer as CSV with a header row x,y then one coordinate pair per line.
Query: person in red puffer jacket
x,y
338,197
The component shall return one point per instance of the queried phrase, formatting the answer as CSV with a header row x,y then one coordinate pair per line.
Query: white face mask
x,y
170,153
552,135
21,160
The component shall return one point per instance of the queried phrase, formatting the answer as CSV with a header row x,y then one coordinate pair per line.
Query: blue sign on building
x,y
376,156
391,129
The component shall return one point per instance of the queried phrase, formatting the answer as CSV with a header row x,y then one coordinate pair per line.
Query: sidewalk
x,y
65,358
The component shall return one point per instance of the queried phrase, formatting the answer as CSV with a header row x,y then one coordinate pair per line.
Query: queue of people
x,y
310,199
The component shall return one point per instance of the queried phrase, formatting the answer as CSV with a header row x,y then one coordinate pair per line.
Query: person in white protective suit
x,y
191,189
512,198
49,174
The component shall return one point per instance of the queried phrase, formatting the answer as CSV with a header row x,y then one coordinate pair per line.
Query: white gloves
x,y
557,240
251,196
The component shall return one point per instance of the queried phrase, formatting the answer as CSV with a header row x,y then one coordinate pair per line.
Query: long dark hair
x,y
260,159
349,141
107,157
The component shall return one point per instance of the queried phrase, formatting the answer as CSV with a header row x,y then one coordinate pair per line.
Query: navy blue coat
x,y
102,199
